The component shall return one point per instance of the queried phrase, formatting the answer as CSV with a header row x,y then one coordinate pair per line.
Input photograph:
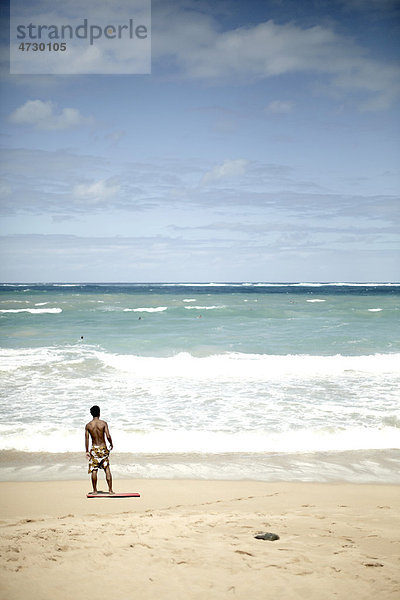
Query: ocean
x,y
266,381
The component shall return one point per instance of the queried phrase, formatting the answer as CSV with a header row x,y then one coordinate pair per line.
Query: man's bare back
x,y
98,431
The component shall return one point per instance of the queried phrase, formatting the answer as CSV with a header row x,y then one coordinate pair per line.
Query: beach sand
x,y
195,540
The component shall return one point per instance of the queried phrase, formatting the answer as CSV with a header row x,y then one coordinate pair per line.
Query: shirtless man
x,y
99,453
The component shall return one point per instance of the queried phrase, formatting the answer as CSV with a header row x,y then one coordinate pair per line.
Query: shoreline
x,y
351,466
192,539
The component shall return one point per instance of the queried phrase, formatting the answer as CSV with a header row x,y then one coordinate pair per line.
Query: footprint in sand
x,y
244,552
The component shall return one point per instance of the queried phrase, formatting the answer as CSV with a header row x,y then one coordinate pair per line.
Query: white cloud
x,y
200,51
5,190
96,192
279,106
72,258
226,170
45,116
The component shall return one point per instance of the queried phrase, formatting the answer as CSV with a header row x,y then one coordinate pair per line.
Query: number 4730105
x,y
42,47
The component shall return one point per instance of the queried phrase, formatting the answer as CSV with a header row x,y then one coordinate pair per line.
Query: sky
x,y
263,146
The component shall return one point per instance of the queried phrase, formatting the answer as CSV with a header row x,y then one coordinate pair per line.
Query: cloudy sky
x,y
263,146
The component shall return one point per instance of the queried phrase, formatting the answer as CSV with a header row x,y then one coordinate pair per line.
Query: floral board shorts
x,y
98,458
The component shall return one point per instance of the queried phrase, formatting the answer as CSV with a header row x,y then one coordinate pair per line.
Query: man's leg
x,y
109,479
94,481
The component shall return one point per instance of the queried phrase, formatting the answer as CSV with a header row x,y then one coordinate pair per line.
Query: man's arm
x,y
87,442
107,432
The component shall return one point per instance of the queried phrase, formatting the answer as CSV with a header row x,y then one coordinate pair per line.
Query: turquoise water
x,y
269,371
160,320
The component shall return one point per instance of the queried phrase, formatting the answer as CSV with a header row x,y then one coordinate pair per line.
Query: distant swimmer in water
x,y
99,453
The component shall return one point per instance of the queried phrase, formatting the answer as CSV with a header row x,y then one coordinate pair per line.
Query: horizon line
x,y
216,283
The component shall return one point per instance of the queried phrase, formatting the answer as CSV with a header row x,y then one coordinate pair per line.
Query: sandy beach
x,y
195,539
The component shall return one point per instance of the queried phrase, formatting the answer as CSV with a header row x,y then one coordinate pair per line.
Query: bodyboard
x,y
107,495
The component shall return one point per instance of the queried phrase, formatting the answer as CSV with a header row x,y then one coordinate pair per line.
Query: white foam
x,y
217,367
325,284
316,300
52,438
368,284
200,284
16,284
374,310
285,284
252,366
149,310
12,359
345,284
190,300
307,284
203,307
261,441
34,311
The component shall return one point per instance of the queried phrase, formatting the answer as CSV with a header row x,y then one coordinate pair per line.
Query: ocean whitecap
x,y
149,310
34,311
203,307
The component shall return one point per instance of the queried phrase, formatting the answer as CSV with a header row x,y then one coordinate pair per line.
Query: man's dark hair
x,y
95,411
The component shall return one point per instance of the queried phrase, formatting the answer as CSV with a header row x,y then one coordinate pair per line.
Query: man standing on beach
x,y
99,453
